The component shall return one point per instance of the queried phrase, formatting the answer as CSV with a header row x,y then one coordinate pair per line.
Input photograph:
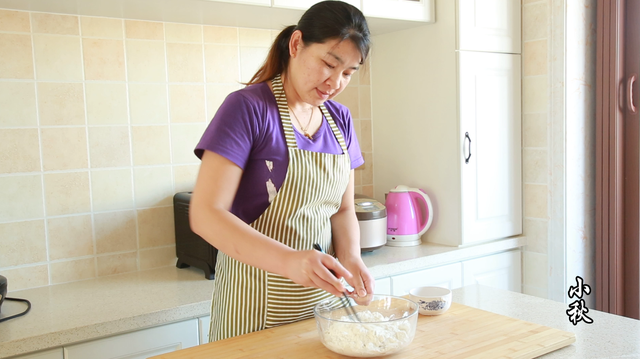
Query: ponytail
x,y
277,59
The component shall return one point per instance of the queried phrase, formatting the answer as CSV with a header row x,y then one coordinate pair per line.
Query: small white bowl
x,y
431,300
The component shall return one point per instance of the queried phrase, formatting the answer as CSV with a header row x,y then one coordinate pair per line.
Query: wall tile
x,y
535,94
251,58
150,145
367,169
535,269
349,97
184,139
537,232
155,227
112,189
21,198
184,177
535,130
183,33
535,21
66,193
221,63
58,58
109,146
22,243
17,59
364,74
103,59
70,237
364,101
101,27
535,201
27,277
19,150
184,62
15,21
115,231
145,30
535,58
146,61
153,186
18,104
64,148
216,95
148,103
254,37
536,168
220,35
61,103
117,263
187,103
44,23
365,136
106,103
157,257
72,271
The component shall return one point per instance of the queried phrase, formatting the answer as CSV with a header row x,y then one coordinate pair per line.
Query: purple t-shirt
x,y
247,130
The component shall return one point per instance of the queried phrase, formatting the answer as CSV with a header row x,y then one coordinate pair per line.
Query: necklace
x,y
304,129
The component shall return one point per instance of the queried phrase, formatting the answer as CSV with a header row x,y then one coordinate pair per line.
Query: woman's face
x,y
319,72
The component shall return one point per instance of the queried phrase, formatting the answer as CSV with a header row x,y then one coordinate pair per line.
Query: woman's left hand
x,y
362,281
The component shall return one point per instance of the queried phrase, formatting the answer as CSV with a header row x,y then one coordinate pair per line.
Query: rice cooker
x,y
372,218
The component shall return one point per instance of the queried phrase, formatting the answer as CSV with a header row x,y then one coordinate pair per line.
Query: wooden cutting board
x,y
461,332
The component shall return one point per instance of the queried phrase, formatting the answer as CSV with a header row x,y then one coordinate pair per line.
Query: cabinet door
x,y
503,270
448,276
416,10
489,105
49,354
489,25
305,4
383,286
203,328
139,345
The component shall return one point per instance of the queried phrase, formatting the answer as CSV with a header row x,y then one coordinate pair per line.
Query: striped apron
x,y
247,299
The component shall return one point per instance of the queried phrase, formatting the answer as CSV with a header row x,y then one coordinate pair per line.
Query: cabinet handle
x,y
466,137
632,107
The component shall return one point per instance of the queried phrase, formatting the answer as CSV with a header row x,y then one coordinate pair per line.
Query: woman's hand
x,y
314,269
361,281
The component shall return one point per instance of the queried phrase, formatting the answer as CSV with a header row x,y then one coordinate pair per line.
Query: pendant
x,y
307,135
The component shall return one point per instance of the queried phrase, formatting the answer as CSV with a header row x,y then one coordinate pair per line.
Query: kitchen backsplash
x,y
98,121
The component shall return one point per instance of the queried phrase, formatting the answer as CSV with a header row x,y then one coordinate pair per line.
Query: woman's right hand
x,y
313,269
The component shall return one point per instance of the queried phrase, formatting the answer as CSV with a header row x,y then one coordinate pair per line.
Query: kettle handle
x,y
426,217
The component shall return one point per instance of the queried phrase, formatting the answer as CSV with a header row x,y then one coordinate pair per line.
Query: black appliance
x,y
3,296
191,249
3,290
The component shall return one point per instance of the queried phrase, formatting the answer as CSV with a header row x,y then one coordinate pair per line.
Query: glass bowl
x,y
387,325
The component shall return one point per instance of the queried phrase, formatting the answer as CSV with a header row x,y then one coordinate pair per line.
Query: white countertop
x,y
609,336
74,312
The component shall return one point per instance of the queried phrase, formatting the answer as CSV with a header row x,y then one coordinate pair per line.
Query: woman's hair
x,y
323,21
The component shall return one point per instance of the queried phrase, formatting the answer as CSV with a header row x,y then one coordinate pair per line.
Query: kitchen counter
x,y
80,311
609,336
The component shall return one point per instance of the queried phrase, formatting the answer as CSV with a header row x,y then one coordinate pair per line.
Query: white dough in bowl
x,y
374,336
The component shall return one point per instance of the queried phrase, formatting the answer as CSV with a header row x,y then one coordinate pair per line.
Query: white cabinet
x,y
48,354
140,344
489,25
203,328
503,271
305,4
448,276
383,286
421,113
415,10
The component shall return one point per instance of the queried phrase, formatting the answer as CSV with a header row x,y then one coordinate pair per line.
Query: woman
x,y
277,177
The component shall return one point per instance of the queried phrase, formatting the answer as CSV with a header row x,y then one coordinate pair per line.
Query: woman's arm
x,y
209,217
346,242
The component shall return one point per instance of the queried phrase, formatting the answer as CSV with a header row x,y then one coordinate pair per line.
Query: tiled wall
x,y
535,144
98,120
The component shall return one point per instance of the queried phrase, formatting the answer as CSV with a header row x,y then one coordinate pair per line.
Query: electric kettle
x,y
409,215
